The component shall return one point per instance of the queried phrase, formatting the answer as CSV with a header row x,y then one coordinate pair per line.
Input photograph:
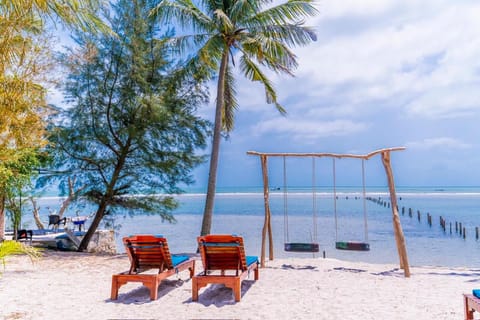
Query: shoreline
x,y
66,285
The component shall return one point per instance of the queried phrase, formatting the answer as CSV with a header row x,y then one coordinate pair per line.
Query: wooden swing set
x,y
385,153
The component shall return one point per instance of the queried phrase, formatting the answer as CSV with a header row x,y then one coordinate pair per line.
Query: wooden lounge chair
x,y
470,304
224,262
150,252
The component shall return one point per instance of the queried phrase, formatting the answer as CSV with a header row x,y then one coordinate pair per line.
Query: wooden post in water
x,y
476,233
399,237
418,215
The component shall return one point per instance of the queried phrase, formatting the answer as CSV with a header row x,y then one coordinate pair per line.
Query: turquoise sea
x,y
241,211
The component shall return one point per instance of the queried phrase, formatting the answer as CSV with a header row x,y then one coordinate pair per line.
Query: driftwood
x,y
36,215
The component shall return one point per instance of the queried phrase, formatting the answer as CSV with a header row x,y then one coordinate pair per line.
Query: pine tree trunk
x,y
93,227
2,218
217,131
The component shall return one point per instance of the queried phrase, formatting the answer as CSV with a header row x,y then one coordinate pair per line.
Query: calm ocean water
x,y
241,211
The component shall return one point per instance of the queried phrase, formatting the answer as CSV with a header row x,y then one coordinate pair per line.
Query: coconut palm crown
x,y
260,32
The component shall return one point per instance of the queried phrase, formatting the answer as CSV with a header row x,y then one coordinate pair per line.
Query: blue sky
x,y
383,73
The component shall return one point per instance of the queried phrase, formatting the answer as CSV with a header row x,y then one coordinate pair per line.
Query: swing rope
x,y
335,200
365,220
285,202
314,201
351,245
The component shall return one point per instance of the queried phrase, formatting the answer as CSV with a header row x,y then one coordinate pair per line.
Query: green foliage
x,y
131,126
260,32
10,248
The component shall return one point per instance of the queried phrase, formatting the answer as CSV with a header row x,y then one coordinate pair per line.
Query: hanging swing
x,y
300,246
351,245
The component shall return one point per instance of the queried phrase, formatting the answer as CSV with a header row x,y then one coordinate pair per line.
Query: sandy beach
x,y
65,285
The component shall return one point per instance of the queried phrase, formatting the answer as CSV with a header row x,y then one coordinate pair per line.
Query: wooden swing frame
x,y
385,153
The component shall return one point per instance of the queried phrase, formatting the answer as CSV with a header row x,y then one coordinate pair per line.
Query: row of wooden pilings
x,y
460,228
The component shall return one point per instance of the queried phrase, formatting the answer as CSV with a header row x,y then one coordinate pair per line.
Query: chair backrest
x,y
148,252
222,252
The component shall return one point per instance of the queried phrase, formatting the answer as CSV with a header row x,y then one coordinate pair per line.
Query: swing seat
x,y
302,247
352,245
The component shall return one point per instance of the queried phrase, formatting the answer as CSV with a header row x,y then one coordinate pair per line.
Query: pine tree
x,y
131,126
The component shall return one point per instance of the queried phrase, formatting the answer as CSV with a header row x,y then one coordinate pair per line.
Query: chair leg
x,y
467,311
114,292
237,290
194,289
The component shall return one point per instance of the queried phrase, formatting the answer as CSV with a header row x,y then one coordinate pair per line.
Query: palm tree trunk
x,y
217,131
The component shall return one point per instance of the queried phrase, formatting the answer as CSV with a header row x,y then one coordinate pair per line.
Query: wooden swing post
x,y
397,227
267,226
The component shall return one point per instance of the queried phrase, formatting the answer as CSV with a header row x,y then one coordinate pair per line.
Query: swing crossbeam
x,y
302,247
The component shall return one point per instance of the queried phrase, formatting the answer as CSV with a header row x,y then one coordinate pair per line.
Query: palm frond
x,y
183,12
185,43
253,73
243,8
10,248
230,105
211,53
270,52
290,12
290,34
226,24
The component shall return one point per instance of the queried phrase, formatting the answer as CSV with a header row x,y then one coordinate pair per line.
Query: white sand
x,y
77,286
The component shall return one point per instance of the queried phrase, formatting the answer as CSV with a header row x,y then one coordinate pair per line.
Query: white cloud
x,y
417,49
447,102
438,143
333,9
307,130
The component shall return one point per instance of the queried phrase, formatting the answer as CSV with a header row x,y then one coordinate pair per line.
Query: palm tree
x,y
261,35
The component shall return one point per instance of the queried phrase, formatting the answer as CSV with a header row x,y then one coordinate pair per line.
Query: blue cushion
x,y
251,259
476,292
176,260
220,244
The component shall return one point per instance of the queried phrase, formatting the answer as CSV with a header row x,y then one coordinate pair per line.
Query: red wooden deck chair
x,y
224,262
471,303
150,252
